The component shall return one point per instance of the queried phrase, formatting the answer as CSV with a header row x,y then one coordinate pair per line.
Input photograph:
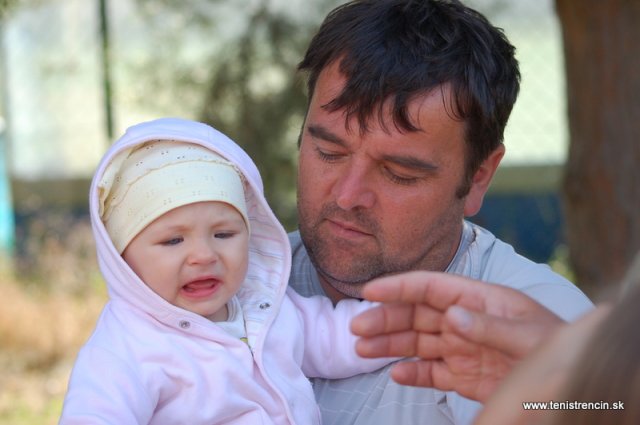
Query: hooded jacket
x,y
150,362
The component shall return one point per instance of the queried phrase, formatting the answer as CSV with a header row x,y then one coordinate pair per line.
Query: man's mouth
x,y
347,229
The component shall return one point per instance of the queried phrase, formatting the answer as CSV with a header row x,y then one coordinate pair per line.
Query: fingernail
x,y
460,318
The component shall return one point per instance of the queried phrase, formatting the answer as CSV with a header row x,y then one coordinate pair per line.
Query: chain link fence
x,y
53,98
162,58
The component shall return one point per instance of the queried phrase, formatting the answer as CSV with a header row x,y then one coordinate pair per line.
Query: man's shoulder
x,y
299,255
303,278
498,262
295,241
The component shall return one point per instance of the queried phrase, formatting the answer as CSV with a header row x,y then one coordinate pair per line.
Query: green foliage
x,y
6,6
9,6
255,98
246,86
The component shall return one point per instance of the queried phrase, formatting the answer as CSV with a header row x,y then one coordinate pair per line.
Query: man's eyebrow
x,y
320,132
411,162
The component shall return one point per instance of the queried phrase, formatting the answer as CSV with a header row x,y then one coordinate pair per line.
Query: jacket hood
x,y
269,249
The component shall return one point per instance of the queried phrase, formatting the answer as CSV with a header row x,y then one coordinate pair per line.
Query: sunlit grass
x,y
559,263
51,298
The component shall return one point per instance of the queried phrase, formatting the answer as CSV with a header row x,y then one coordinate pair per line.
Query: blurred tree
x,y
5,6
256,99
251,90
602,175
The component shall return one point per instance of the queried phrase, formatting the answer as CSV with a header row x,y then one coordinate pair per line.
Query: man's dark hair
x,y
399,49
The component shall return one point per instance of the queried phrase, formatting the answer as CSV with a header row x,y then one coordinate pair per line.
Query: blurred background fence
x,y
75,73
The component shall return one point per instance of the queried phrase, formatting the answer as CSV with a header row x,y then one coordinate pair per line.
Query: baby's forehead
x,y
158,176
205,212
216,208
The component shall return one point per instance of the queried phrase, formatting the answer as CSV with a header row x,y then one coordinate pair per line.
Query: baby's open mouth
x,y
201,287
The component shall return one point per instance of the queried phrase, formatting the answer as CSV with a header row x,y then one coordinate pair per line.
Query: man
x,y
408,101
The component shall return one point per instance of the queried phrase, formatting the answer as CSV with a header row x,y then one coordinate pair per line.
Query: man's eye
x,y
326,156
399,179
173,241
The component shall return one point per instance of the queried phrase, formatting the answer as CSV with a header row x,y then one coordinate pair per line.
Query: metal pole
x,y
106,67
7,219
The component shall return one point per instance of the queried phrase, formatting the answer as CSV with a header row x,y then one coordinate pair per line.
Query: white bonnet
x,y
141,184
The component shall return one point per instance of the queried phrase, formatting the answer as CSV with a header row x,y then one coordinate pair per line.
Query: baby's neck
x,y
222,315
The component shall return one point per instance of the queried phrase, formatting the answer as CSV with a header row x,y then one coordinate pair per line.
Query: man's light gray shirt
x,y
374,398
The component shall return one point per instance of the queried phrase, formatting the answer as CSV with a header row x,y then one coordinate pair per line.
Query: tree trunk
x,y
602,175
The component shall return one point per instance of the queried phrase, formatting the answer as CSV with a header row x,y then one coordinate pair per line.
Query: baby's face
x,y
194,256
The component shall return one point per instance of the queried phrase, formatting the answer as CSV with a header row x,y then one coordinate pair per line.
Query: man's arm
x,y
466,334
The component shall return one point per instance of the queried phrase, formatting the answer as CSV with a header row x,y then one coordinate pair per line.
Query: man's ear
x,y
481,181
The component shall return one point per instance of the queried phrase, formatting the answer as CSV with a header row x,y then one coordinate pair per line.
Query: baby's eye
x,y
224,235
173,241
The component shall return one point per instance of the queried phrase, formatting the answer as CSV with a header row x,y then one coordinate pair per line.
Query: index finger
x,y
396,317
436,289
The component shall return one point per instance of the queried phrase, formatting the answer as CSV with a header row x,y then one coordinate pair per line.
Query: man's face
x,y
383,201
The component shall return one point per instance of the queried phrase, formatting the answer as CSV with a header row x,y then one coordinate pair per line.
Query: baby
x,y
200,327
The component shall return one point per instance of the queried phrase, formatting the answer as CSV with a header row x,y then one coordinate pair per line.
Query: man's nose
x,y
353,187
